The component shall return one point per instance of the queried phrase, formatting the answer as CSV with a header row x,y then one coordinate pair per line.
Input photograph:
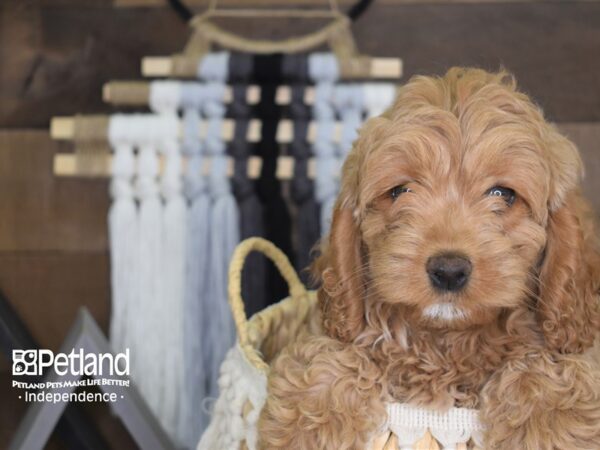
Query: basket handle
x,y
297,289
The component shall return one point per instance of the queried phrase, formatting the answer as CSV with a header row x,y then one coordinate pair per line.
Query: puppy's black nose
x,y
449,271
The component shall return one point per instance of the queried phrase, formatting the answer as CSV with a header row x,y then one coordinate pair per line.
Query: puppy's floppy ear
x,y
341,297
568,306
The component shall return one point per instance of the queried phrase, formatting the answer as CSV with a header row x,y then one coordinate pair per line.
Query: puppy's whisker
x,y
361,271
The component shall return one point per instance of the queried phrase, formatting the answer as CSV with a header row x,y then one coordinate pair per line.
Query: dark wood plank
x,y
201,4
12,410
587,137
548,46
48,288
61,56
40,211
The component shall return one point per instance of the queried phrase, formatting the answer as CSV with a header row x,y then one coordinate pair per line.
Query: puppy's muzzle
x,y
449,271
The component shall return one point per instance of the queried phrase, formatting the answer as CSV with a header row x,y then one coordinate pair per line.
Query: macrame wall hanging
x,y
145,237
253,146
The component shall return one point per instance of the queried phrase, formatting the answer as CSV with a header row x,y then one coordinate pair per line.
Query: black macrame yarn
x,y
254,275
267,72
307,226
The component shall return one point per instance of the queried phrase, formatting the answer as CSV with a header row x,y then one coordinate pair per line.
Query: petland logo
x,y
78,363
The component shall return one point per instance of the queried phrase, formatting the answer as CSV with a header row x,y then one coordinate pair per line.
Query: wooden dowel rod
x,y
162,66
137,93
157,66
65,165
63,128
386,68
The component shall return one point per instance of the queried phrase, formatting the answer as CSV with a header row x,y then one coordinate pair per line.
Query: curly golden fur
x,y
517,341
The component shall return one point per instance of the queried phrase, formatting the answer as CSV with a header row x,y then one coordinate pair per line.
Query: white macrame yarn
x,y
193,419
146,324
324,71
123,233
378,97
224,226
214,67
224,223
165,97
348,100
173,254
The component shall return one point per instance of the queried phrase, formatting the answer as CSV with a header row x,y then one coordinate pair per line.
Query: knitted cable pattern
x,y
449,428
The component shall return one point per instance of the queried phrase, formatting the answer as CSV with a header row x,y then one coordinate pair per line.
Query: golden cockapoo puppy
x,y
462,269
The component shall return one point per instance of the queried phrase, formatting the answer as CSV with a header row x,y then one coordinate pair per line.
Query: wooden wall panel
x,y
199,5
13,408
69,52
57,58
56,54
48,288
12,411
41,212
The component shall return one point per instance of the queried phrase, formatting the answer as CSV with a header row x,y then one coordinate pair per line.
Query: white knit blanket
x,y
450,428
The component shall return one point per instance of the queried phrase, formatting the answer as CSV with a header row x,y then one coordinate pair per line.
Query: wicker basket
x,y
243,380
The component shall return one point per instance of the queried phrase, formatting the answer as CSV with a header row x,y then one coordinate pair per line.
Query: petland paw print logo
x,y
76,362
24,362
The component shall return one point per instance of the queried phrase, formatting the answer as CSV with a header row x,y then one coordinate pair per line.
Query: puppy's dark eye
x,y
507,194
397,191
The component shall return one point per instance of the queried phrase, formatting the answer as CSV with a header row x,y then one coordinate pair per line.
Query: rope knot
x,y
123,163
194,182
121,189
323,67
165,95
214,66
218,182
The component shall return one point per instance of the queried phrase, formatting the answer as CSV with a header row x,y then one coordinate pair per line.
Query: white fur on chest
x,y
444,311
